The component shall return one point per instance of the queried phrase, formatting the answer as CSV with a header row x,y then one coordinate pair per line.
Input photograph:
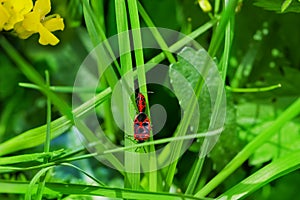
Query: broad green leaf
x,y
256,117
194,71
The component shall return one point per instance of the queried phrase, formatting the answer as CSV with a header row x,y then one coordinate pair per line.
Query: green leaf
x,y
278,5
278,146
285,5
254,118
187,78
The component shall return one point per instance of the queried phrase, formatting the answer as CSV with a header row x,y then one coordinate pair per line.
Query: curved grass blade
x,y
272,171
80,189
37,135
291,112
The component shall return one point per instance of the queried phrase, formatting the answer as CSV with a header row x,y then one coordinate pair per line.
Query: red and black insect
x,y
141,124
142,127
140,102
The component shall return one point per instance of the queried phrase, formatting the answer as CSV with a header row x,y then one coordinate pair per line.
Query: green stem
x,y
47,141
219,34
156,33
247,90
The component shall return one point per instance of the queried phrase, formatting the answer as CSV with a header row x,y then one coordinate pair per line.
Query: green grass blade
x,y
37,135
37,157
141,75
187,58
63,89
47,140
221,28
42,173
80,189
34,180
166,140
155,33
272,171
97,34
291,112
224,63
247,90
48,120
132,163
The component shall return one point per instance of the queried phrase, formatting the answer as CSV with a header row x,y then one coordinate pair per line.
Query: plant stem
x,y
47,141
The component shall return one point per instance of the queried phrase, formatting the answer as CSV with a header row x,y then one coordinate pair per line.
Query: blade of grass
x,y
218,36
155,33
132,163
141,76
81,189
98,8
63,89
181,130
262,89
36,136
272,171
42,172
224,63
37,157
97,34
166,140
291,112
47,140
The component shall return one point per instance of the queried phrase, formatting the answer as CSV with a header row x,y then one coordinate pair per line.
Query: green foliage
x,y
279,5
256,53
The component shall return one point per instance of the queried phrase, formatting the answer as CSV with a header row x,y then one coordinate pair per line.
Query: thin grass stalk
x,y
47,140
141,76
155,33
132,163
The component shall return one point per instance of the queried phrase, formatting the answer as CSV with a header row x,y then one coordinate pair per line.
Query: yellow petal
x,y
21,31
43,7
4,16
54,24
17,9
31,22
15,18
23,7
46,37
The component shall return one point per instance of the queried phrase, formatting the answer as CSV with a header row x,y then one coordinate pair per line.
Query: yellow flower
x,y
37,22
12,12
205,5
4,15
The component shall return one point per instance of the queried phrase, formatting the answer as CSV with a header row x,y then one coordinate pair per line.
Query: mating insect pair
x,y
142,125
